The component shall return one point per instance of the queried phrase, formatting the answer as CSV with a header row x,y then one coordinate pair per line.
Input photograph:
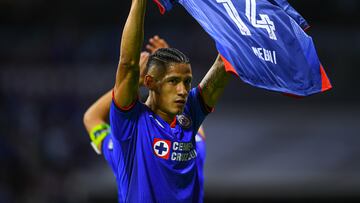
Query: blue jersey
x,y
113,161
261,41
157,162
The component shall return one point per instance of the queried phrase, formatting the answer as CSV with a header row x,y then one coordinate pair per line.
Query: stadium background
x,y
57,57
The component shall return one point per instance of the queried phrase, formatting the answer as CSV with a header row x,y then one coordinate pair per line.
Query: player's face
x,y
174,88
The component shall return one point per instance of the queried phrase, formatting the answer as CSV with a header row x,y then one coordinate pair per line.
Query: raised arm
x,y
214,82
127,76
98,112
96,116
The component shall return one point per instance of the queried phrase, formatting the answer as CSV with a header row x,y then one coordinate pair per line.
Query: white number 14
x,y
263,23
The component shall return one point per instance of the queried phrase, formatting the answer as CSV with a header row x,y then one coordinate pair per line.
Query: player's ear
x,y
149,82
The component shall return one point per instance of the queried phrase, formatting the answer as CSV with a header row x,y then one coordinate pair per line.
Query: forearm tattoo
x,y
214,83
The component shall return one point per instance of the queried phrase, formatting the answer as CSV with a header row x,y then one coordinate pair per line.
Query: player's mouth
x,y
180,102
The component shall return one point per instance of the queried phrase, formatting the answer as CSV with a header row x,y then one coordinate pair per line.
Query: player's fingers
x,y
158,42
154,41
144,55
150,48
162,42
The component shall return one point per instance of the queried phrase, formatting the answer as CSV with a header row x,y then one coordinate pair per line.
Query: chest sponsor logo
x,y
175,151
183,151
184,121
162,148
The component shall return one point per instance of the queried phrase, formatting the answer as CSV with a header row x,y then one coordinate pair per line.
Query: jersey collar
x,y
173,123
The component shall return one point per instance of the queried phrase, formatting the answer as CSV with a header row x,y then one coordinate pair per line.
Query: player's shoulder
x,y
193,93
136,108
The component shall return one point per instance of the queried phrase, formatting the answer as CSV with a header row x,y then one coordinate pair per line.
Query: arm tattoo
x,y
214,83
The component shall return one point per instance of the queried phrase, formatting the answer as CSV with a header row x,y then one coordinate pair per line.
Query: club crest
x,y
162,148
184,121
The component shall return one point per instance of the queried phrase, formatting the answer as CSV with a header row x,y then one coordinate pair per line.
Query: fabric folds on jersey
x,y
263,42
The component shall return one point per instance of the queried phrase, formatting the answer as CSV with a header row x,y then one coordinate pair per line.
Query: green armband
x,y
97,135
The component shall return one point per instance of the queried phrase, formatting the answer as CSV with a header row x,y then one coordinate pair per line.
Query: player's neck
x,y
165,116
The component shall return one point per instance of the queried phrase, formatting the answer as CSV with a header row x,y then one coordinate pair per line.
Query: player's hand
x,y
156,43
144,57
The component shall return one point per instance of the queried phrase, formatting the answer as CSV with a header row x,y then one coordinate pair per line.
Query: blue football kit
x,y
261,41
155,161
113,161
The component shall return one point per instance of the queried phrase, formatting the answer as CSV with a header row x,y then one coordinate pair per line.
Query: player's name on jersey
x,y
265,55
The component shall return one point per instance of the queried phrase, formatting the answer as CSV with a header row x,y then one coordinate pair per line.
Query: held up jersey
x,y
157,162
261,41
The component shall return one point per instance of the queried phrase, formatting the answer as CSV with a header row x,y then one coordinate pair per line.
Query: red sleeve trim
x,y
125,108
228,67
206,107
325,82
160,6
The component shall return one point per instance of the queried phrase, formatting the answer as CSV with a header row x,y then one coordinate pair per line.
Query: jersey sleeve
x,y
197,108
123,122
107,150
164,5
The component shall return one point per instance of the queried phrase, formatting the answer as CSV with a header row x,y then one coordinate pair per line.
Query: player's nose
x,y
181,89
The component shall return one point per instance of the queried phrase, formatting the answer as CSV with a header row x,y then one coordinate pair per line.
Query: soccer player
x,y
156,139
96,121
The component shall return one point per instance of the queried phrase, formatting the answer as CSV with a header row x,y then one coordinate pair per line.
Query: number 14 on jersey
x,y
250,11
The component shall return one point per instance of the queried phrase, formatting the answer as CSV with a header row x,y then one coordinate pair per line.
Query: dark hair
x,y
163,57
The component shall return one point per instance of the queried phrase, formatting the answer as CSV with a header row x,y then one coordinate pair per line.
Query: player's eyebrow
x,y
177,75
178,78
